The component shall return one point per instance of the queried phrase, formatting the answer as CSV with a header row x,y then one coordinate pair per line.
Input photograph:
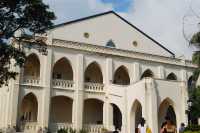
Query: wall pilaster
x,y
46,83
79,93
151,105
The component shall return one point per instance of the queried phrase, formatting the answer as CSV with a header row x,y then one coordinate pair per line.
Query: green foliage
x,y
192,128
30,15
196,39
71,130
83,131
195,97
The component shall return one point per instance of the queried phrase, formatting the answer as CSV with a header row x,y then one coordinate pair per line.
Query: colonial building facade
x,y
99,72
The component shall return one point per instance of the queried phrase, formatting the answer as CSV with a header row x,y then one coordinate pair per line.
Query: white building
x,y
100,72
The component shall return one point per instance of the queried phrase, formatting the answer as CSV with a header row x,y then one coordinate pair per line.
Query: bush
x,y
193,128
71,130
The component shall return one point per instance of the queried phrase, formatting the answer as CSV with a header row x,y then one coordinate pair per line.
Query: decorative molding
x,y
122,53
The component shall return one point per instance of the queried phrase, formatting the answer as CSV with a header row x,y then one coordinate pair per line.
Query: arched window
x,y
63,70
171,76
147,73
121,76
93,73
32,67
110,43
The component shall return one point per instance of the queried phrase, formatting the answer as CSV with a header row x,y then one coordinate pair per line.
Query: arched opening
x,y
29,108
63,70
147,73
136,115
121,76
32,67
166,109
61,109
191,83
117,117
93,112
93,73
171,76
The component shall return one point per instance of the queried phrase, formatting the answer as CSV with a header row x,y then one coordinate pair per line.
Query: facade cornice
x,y
122,53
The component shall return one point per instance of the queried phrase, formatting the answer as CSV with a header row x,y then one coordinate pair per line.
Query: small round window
x,y
86,35
135,43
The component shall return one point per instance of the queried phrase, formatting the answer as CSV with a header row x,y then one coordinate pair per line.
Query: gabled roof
x,y
112,12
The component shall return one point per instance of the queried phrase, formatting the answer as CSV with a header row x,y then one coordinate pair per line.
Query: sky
x,y
163,20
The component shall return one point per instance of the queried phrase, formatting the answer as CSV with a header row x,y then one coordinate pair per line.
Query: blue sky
x,y
160,19
119,5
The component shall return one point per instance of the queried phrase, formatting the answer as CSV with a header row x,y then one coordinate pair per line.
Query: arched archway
x,y
63,70
93,73
61,109
147,73
166,108
171,76
32,67
121,76
135,116
117,116
29,108
93,112
191,83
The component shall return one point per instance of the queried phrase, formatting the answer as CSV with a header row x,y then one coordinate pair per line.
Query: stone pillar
x,y
136,72
108,109
46,68
151,105
161,72
183,103
79,93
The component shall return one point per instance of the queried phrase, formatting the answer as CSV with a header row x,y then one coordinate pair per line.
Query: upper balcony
x,y
93,78
63,75
31,71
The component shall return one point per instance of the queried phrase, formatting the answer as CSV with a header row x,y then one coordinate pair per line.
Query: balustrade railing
x,y
56,126
95,87
31,126
31,80
62,83
93,128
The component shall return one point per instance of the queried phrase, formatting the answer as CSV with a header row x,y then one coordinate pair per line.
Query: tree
x,y
195,93
27,15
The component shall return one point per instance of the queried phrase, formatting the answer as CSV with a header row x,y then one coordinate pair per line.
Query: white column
x,y
183,102
46,68
136,72
151,106
161,72
79,93
108,110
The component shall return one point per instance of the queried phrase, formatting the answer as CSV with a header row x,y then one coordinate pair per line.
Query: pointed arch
x,y
32,66
135,115
62,69
147,73
166,108
117,116
190,83
61,109
121,76
171,76
93,73
93,111
29,108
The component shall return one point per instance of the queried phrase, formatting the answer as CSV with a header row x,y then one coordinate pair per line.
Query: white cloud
x,y
67,10
162,20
